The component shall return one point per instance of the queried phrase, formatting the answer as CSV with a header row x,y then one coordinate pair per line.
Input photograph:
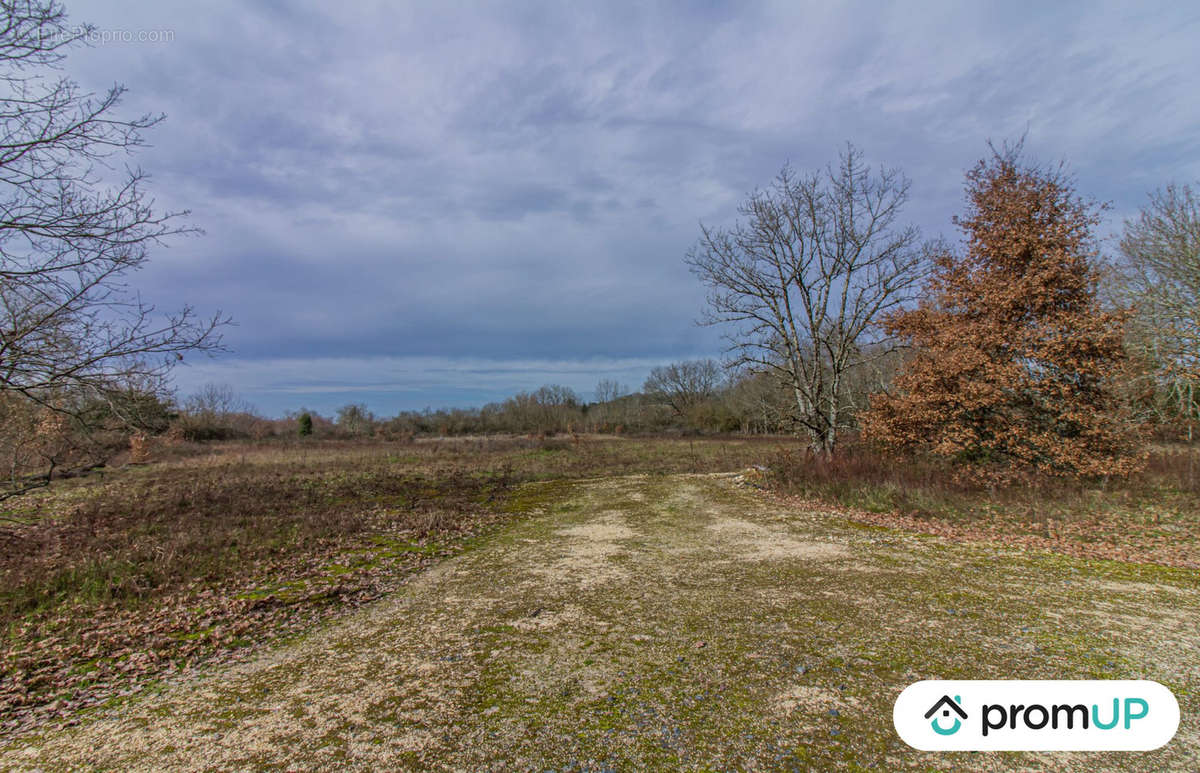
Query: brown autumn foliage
x,y
1014,359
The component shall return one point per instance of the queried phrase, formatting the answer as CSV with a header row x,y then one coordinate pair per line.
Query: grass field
x,y
594,604
113,580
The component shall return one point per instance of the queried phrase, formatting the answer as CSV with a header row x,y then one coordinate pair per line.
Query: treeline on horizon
x,y
686,397
689,397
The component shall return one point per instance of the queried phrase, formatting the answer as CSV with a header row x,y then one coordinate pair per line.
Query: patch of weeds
x,y
536,496
203,633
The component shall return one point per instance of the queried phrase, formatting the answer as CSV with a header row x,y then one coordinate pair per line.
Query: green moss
x,y
203,633
536,496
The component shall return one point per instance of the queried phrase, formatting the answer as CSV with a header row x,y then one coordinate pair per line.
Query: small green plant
x,y
305,425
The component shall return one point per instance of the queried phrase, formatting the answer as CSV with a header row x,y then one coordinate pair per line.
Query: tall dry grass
x,y
860,477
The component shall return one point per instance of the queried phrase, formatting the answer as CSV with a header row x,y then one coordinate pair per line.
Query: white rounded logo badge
x,y
1049,715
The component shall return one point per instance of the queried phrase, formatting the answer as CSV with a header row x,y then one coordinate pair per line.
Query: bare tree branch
x,y
1161,251
73,224
802,279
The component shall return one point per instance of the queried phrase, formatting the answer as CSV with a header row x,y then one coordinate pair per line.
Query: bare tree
x,y
684,385
1161,251
355,419
216,412
609,410
216,400
72,227
68,238
759,402
549,408
608,390
805,275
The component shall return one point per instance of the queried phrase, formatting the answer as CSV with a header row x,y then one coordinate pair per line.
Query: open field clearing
x,y
673,621
111,582
590,389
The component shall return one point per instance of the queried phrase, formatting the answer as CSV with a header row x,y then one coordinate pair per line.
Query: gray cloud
x,y
514,181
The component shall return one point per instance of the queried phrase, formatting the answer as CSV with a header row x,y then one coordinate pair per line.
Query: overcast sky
x,y
438,203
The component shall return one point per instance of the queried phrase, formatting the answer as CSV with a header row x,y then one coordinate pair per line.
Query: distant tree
x,y
355,419
305,425
216,400
608,390
556,396
613,407
803,278
1161,252
1013,355
549,408
215,412
684,385
760,403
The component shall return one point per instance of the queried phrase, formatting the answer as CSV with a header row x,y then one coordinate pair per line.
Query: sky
x,y
438,204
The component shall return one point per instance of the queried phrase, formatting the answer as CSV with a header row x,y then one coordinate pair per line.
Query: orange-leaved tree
x,y
1013,358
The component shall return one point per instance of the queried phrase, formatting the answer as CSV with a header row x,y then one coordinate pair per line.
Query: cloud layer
x,y
512,182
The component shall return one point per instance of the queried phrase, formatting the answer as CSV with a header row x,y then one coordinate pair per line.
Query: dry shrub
x,y
860,476
37,442
1176,466
139,448
175,436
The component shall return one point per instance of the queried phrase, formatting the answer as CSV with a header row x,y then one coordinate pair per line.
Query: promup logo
x,y
1036,715
945,705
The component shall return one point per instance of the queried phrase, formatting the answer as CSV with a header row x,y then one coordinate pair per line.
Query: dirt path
x,y
665,623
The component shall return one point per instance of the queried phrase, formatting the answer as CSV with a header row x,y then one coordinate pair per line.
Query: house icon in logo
x,y
945,706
